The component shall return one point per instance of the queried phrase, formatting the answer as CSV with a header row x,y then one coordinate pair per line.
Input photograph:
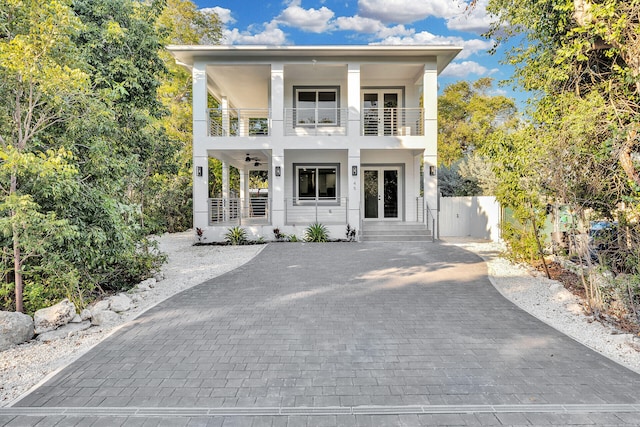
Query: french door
x,y
380,111
381,193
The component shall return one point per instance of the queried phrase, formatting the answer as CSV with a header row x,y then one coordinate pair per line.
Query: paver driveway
x,y
340,334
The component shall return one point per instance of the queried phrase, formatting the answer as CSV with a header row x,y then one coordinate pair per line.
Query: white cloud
x,y
470,47
465,68
407,11
311,20
362,25
474,19
223,14
271,35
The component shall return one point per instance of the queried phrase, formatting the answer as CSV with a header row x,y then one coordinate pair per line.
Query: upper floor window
x,y
316,106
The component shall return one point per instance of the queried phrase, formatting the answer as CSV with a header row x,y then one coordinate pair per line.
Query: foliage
x,y
579,58
236,236
451,183
94,146
468,116
278,235
316,232
350,233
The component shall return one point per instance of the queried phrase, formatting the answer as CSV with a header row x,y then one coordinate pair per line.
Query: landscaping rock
x,y
85,314
101,305
76,319
120,303
159,276
50,318
143,287
15,328
151,282
64,331
104,318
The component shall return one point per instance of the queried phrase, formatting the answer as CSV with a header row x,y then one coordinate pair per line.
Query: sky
x,y
388,22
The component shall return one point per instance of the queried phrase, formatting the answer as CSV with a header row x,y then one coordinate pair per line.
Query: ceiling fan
x,y
253,159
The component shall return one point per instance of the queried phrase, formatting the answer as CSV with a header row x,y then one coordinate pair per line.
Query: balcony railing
x,y
393,121
315,121
239,122
329,210
237,211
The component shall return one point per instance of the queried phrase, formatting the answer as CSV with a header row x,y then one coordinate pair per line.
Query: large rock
x,y
15,328
50,318
104,318
64,331
120,303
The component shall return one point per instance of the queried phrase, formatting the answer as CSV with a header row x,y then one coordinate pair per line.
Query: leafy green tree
x,y
42,85
468,116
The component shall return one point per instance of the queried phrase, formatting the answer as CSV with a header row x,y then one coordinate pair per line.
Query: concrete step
x,y
380,231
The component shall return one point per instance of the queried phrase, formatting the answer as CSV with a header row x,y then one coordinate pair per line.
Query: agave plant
x,y
236,236
316,233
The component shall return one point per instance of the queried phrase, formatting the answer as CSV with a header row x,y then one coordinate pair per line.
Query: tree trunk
x,y
17,259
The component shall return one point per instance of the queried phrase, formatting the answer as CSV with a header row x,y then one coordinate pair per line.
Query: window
x,y
316,106
317,182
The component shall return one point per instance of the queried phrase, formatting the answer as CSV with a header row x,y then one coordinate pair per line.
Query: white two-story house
x,y
346,135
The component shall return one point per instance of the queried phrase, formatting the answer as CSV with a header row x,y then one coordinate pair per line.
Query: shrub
x,y
316,233
236,236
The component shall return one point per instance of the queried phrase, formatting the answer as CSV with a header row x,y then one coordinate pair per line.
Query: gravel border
x,y
25,366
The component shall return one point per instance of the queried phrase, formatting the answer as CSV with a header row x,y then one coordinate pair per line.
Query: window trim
x,y
334,201
297,89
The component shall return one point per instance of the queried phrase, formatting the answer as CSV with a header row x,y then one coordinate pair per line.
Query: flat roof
x,y
187,54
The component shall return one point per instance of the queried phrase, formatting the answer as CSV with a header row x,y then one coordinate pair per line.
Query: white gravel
x,y
24,366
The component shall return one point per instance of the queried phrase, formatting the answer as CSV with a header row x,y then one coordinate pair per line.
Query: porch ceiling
x,y
238,158
246,86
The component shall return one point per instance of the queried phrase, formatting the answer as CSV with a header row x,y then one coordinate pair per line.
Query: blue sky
x,y
338,22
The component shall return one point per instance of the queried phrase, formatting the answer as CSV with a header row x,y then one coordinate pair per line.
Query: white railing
x,y
237,211
420,209
315,121
393,122
330,210
430,221
239,122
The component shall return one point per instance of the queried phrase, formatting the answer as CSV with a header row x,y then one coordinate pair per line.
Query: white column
x,y
200,157
226,123
430,157
353,99
354,189
225,189
276,188
277,100
244,190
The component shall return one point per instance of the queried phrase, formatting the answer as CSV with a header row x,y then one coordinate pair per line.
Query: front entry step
x,y
395,231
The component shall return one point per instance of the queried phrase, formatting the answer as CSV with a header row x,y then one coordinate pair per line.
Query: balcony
x,y
237,211
315,121
239,122
392,122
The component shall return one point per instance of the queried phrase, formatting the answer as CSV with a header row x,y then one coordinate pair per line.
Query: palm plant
x,y
316,232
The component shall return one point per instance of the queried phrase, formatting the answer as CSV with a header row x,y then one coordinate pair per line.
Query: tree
x,y
468,115
42,85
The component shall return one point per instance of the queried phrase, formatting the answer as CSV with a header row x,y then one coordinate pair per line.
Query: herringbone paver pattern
x,y
343,325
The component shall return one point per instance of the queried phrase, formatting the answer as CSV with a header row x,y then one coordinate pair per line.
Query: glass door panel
x,y
370,114
370,188
391,193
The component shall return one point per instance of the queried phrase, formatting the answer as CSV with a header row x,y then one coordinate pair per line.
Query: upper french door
x,y
380,111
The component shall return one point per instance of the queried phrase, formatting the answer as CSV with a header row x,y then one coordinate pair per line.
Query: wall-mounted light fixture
x,y
198,170
278,171
432,170
354,170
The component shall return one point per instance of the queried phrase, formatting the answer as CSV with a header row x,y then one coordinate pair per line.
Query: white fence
x,y
477,217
